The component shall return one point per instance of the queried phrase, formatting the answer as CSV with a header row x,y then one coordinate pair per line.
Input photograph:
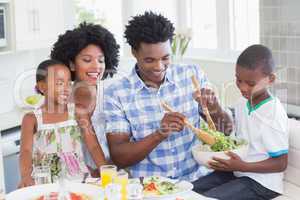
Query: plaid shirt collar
x,y
139,84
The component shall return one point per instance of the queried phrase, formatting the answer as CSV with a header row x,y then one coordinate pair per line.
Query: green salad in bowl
x,y
203,153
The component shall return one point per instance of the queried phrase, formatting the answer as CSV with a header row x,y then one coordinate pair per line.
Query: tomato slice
x,y
54,196
75,196
150,187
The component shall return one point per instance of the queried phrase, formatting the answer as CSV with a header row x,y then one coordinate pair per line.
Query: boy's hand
x,y
207,98
235,163
26,181
171,122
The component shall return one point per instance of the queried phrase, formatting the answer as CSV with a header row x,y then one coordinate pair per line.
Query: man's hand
x,y
235,163
207,98
171,122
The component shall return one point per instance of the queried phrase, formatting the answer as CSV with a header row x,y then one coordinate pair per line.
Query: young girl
x,y
91,52
50,135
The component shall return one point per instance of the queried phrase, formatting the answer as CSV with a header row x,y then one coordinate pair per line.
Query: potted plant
x,y
180,43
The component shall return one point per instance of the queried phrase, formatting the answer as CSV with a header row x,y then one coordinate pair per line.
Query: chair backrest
x,y
292,174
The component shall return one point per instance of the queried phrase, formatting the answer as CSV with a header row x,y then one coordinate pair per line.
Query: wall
x,y
1,170
13,64
280,31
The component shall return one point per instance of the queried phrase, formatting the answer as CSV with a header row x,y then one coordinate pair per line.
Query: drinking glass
x,y
42,175
134,191
113,191
122,180
107,173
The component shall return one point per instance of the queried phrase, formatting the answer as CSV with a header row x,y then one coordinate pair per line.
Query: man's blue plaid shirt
x,y
133,108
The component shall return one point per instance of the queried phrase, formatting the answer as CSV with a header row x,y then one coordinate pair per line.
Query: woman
x,y
92,54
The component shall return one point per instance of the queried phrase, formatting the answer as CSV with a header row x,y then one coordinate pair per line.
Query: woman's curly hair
x,y
69,44
149,28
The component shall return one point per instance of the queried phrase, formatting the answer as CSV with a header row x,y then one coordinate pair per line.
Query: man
x,y
141,135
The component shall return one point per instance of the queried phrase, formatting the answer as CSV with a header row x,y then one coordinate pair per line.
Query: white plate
x,y
29,193
184,187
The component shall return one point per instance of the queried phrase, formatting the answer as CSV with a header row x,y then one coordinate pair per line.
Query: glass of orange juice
x,y
122,180
108,174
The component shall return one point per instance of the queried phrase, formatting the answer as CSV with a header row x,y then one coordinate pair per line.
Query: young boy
x,y
261,119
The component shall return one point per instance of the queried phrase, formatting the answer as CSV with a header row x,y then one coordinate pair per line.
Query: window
x,y
244,23
165,7
204,18
106,13
221,29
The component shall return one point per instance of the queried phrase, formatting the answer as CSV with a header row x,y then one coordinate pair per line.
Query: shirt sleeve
x,y
115,118
275,138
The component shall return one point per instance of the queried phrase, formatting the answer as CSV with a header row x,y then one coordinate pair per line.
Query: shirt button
x,y
173,150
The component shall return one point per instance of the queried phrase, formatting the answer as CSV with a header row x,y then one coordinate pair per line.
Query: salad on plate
x,y
161,187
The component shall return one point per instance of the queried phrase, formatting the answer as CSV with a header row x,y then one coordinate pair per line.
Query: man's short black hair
x,y
69,45
257,56
149,28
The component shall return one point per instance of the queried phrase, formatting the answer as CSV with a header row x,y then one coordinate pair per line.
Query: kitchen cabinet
x,y
1,168
37,23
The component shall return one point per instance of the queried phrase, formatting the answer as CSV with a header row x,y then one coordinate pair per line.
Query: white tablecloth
x,y
191,195
194,196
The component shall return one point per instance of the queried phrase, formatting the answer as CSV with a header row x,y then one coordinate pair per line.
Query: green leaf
x,y
62,130
174,45
74,133
52,137
185,47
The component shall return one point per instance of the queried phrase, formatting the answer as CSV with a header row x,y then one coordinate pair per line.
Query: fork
x,y
84,177
141,180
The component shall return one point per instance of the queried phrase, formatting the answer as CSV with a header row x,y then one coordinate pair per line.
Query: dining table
x,y
191,195
92,186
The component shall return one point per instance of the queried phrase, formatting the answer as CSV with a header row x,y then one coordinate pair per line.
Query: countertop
x,y
1,171
12,118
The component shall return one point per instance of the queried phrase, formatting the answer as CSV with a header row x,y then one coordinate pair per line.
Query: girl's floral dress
x,y
59,144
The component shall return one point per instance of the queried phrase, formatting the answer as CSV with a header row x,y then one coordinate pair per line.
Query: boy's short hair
x,y
150,28
257,56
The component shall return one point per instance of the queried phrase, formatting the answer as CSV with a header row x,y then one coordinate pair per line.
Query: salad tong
x,y
210,122
202,135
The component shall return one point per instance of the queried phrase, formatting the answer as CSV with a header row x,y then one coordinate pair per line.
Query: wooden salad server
x,y
202,135
210,122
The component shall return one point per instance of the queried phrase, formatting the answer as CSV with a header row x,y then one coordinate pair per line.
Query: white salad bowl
x,y
203,156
